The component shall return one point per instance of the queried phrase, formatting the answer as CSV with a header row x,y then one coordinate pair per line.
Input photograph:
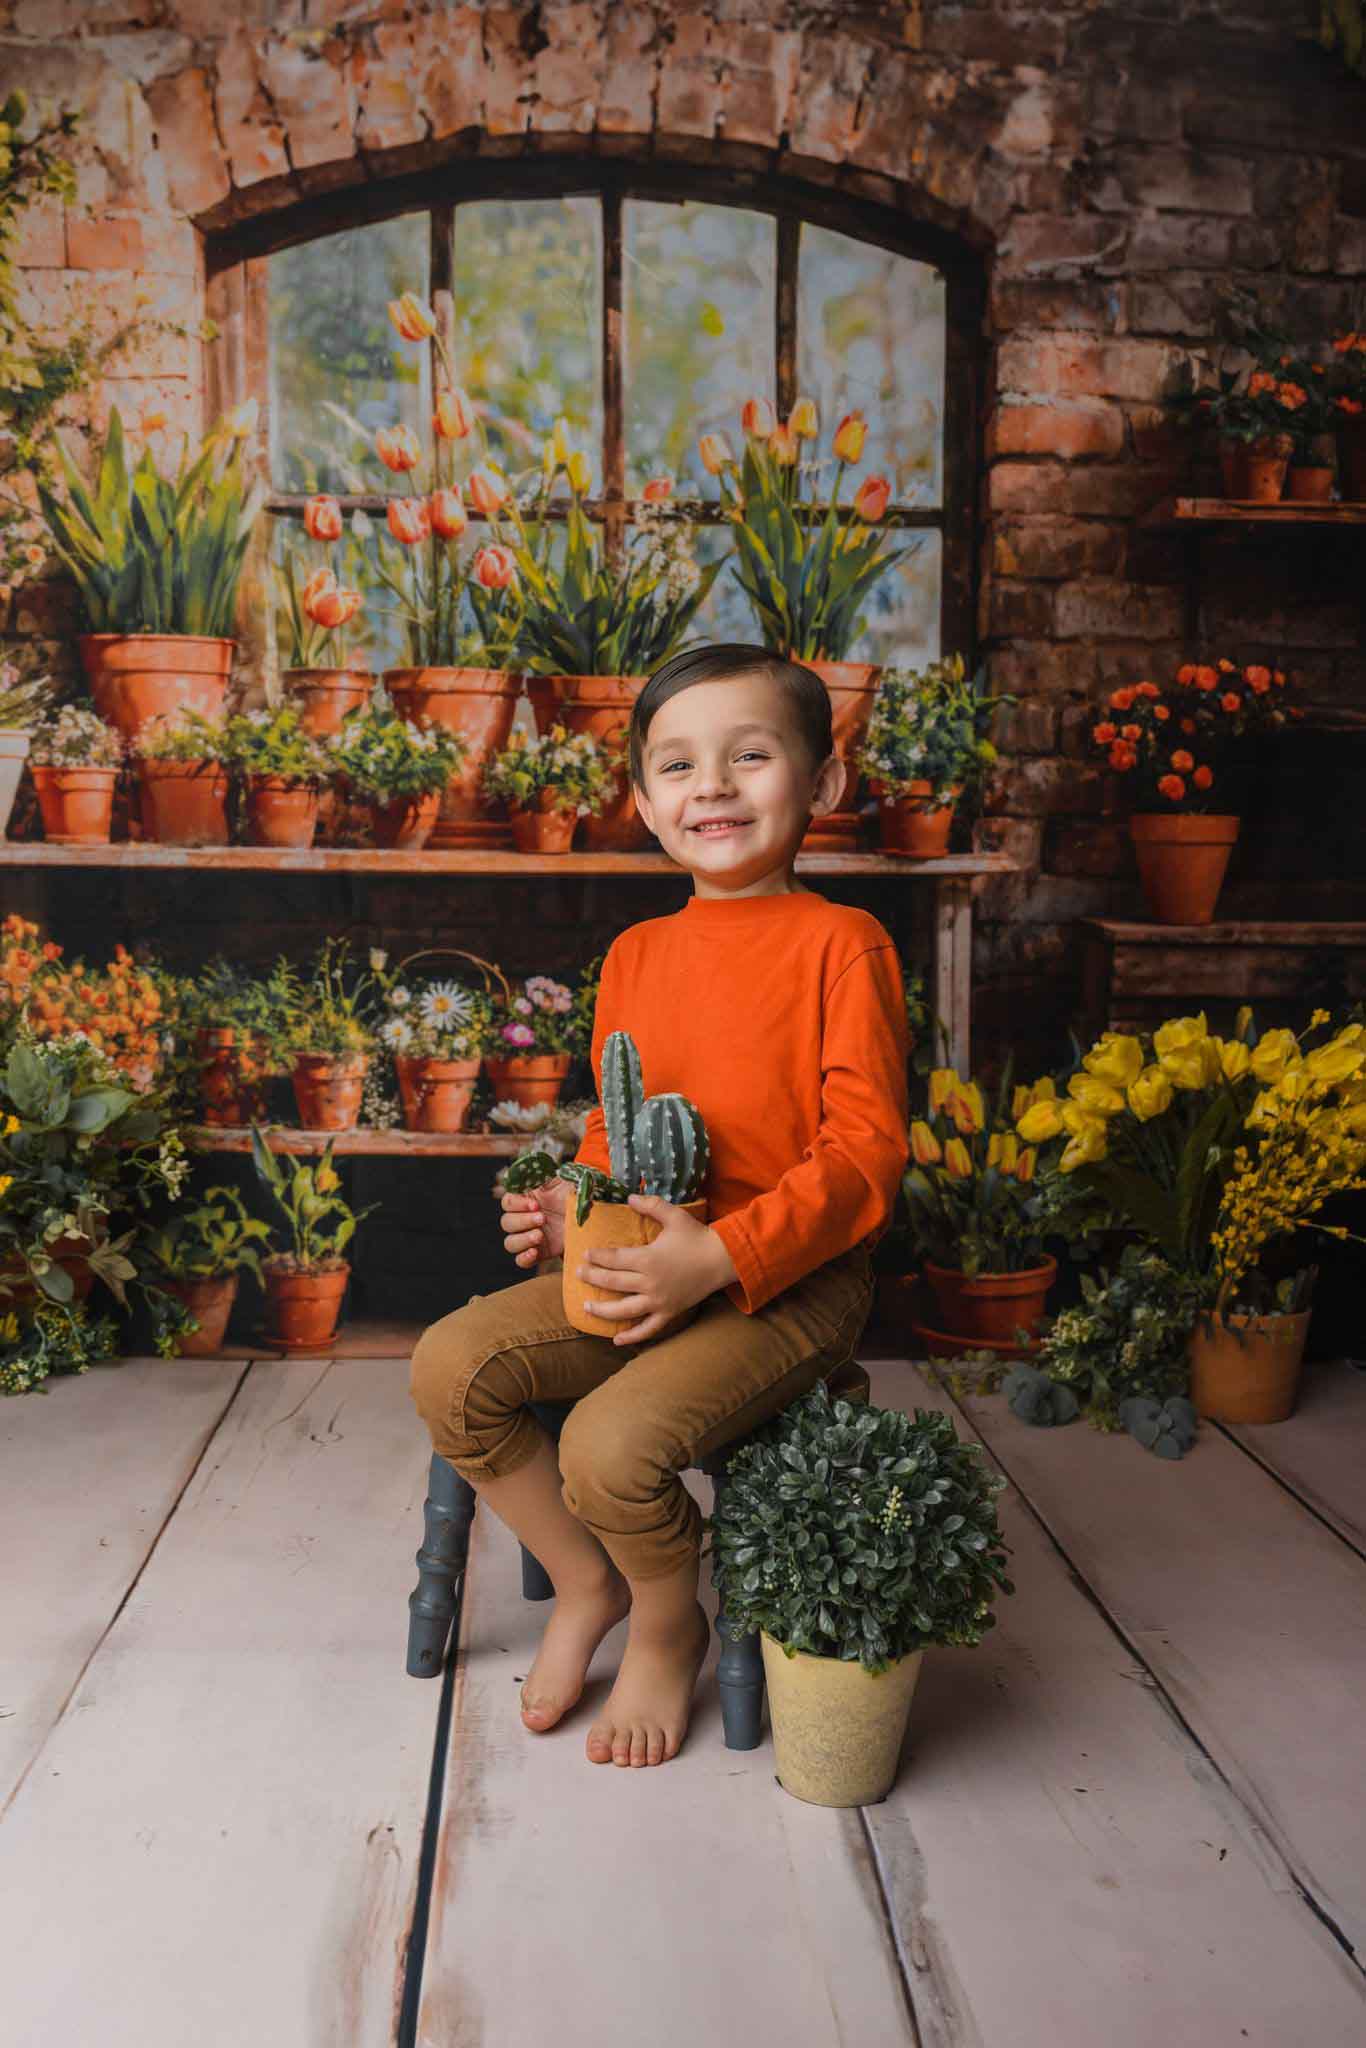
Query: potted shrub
x,y
184,779
1180,750
24,702
928,745
853,1539
398,769
808,565
157,561
319,675
977,1215
74,760
238,1042
305,1281
326,1021
198,1256
283,769
1348,389
549,781
1309,479
658,1146
594,628
436,1032
537,1031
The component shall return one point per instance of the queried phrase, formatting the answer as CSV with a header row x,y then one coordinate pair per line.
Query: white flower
x,y
379,959
397,1033
521,1003
445,1003
399,998
521,1116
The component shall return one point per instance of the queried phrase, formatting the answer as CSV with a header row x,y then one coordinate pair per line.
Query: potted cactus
x,y
658,1146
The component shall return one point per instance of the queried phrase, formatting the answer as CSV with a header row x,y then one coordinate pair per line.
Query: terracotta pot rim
x,y
444,679
1212,828
70,768
1026,1281
351,1062
459,1070
153,639
275,785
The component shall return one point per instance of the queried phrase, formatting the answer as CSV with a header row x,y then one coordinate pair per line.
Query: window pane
x,y
337,368
901,618
699,293
870,333
528,319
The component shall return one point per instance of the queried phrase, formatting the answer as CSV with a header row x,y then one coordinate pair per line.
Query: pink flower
x,y
519,1034
521,1003
564,1003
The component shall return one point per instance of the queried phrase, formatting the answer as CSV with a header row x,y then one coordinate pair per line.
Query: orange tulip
x,y
413,317
494,568
783,446
658,490
803,420
397,448
335,607
957,1160
321,581
453,418
487,493
925,1147
1024,1165
322,518
849,437
714,449
871,499
446,510
409,520
757,418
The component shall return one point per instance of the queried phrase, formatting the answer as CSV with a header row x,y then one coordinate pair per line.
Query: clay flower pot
x,y
135,676
1310,483
600,706
1247,1370
13,754
328,1087
990,1306
184,803
851,687
303,1308
1182,862
77,804
906,824
326,695
837,1729
611,1223
527,1078
435,1093
211,1300
232,1080
281,812
478,703
406,821
1352,455
544,827
1254,471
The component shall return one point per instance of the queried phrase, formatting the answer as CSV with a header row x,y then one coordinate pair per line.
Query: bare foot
x,y
646,1715
580,1621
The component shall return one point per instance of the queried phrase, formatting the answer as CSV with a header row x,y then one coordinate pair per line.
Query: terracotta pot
x,y
435,1093
527,1078
77,803
1249,1369
837,1729
136,676
328,1087
478,703
185,803
852,687
1352,455
281,812
1254,471
13,754
991,1306
600,705
907,826
544,828
325,696
407,821
232,1076
611,1223
211,1301
1181,863
1309,484
302,1309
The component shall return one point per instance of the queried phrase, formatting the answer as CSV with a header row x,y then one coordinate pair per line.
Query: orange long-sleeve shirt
x,y
784,1019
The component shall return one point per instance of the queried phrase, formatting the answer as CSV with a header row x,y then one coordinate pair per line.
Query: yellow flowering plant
x,y
970,1189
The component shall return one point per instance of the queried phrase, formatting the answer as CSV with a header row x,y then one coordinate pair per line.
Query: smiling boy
x,y
782,1016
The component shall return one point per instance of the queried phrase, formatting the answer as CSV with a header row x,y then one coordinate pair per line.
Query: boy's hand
x,y
533,1223
686,1262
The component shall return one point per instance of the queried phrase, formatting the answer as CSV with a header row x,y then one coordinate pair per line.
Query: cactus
x,y
670,1146
622,1095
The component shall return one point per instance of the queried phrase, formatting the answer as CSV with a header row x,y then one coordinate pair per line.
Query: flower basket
x,y
1182,861
991,1306
137,676
303,1305
184,803
281,811
328,1089
479,704
436,1089
613,1223
814,1699
77,803
1247,1369
211,1303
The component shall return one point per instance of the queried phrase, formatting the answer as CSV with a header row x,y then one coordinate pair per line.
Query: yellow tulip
x,y
803,420
1024,1165
965,1107
580,472
1180,1034
1097,1097
412,317
1335,1062
957,1160
1149,1094
1234,1057
1003,1150
714,450
1045,1089
1188,1068
1272,1054
925,1147
559,440
944,1082
849,437
1294,1084
1242,1023
1115,1058
1040,1123
1087,1141
1022,1097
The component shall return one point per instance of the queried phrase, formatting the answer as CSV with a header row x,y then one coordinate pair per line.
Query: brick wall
x,y
1115,163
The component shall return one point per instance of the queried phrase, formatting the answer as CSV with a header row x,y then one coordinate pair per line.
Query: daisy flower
x,y
397,1033
445,1003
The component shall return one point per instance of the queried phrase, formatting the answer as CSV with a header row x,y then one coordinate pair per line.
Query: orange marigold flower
x,y
1231,701
1146,690
1206,678
1351,405
1188,725
1260,381
1131,732
1291,396
1105,734
51,951
1258,680
1182,761
1202,777
1162,711
1172,786
1186,675
1122,756
1226,665
1122,700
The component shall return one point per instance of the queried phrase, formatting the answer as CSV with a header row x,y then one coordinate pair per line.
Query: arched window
x,y
645,306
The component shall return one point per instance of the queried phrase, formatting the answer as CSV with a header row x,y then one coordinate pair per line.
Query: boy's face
x,y
730,749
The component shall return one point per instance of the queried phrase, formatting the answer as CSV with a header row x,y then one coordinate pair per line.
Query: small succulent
x,y
1167,1428
1036,1398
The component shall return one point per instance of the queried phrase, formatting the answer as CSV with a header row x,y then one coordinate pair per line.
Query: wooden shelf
x,y
1236,932
369,860
398,1144
1188,512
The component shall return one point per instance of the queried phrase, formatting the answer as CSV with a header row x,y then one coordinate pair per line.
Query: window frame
x,y
237,363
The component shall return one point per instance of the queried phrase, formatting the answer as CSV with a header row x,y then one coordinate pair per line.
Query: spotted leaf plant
x,y
657,1144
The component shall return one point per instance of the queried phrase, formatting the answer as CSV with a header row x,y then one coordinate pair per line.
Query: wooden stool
x,y
449,1511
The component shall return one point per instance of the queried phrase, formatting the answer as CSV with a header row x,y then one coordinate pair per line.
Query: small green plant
x,y
321,1222
74,737
859,1533
266,742
183,735
215,1237
932,725
574,766
24,700
1126,1339
658,1144
330,1009
385,757
53,1337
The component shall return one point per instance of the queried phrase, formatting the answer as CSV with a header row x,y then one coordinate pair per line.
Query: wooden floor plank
x,y
220,1841
1066,1868
597,1907
1250,1614
90,1470
1320,1451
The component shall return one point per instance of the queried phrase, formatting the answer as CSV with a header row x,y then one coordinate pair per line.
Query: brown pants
x,y
643,1412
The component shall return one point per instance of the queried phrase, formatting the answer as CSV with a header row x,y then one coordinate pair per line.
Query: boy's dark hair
x,y
806,693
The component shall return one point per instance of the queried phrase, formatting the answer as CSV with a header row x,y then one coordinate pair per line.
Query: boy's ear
x,y
643,804
828,788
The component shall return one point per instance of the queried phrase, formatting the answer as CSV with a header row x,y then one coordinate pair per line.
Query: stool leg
x,y
446,1517
739,1676
536,1581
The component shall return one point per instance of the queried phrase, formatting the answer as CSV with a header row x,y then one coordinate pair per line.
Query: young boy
x,y
782,1016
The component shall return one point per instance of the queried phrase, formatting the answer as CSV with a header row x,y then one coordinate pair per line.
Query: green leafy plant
x,y
183,735
657,1143
53,1337
859,1533
266,742
223,996
331,1008
384,757
932,725
1342,27
321,1222
24,700
213,1238
1126,1339
157,554
574,766
75,737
